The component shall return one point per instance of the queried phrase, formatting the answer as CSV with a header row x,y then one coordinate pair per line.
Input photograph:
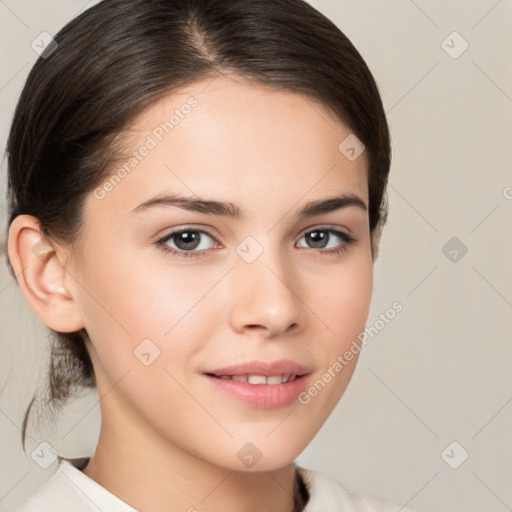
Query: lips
x,y
281,367
261,384
261,396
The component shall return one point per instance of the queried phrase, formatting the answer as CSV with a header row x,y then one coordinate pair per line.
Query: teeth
x,y
257,379
261,379
275,379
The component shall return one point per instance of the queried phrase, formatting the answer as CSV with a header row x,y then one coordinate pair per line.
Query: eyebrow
x,y
228,209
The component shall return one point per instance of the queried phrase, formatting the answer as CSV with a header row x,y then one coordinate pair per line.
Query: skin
x,y
169,441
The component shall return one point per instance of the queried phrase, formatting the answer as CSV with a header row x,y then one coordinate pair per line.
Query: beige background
x,y
440,371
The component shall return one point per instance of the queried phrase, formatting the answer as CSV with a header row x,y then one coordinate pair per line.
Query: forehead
x,y
225,139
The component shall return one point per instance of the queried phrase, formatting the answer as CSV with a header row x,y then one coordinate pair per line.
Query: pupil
x,y
319,239
187,240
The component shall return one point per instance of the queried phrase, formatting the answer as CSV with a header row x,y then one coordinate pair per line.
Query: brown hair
x,y
120,56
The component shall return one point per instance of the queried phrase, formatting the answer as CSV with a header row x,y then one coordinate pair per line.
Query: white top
x,y
68,489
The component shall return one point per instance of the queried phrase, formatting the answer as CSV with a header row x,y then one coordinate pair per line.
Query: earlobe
x,y
41,276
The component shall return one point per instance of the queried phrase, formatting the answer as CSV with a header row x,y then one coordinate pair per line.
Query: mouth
x,y
254,371
271,380
260,391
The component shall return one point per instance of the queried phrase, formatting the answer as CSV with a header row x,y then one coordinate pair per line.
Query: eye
x,y
190,243
320,238
187,242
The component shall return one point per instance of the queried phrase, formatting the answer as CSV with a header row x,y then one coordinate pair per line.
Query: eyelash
x,y
345,237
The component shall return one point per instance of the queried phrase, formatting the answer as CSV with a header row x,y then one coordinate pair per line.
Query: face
x,y
169,293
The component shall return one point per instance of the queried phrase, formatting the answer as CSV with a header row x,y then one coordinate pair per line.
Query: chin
x,y
264,456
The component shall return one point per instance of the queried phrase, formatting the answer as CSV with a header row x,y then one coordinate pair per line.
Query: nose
x,y
264,299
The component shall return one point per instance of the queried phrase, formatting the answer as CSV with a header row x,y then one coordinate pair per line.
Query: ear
x,y
42,277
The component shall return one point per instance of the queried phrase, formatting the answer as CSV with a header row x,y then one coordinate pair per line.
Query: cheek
x,y
343,307
131,308
345,303
144,325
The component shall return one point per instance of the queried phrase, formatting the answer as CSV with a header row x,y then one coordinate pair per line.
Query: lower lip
x,y
263,396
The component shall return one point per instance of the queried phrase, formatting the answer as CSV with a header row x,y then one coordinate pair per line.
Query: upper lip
x,y
281,367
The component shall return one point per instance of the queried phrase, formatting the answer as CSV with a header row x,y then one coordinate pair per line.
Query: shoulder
x,y
327,495
70,489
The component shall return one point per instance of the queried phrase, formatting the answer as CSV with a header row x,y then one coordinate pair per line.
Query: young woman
x,y
197,190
